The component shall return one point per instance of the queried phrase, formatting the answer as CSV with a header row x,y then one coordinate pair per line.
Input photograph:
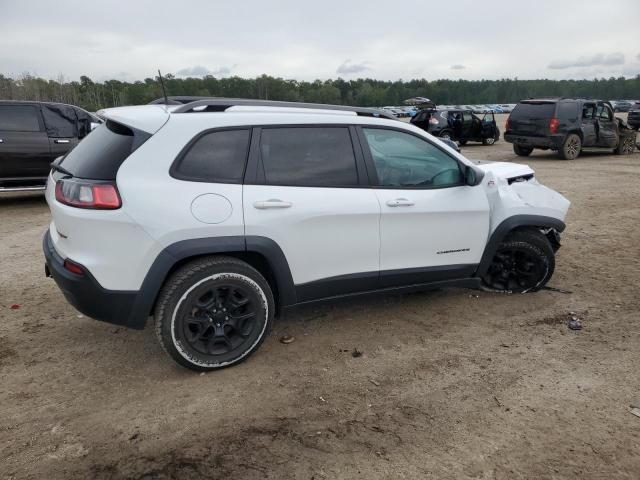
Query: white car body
x,y
323,232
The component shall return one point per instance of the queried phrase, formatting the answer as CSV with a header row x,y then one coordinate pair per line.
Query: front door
x,y
311,198
488,125
24,146
61,124
588,125
432,226
607,130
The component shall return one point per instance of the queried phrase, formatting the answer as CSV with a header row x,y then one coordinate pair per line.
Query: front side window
x,y
19,118
405,160
308,156
604,113
216,157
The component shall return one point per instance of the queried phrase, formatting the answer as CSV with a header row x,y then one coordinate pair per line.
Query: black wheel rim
x,y
219,319
515,269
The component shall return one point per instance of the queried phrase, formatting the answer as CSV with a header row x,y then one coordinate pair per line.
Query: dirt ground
x,y
451,384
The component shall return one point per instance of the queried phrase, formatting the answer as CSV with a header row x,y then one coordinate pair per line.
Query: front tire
x,y
571,147
522,151
524,262
213,312
626,146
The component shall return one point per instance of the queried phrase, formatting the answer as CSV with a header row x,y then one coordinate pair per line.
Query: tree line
x,y
364,92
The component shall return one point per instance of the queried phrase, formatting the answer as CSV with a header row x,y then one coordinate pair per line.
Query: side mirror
x,y
473,176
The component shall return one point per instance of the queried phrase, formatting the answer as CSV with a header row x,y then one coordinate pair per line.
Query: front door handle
x,y
271,203
400,202
61,140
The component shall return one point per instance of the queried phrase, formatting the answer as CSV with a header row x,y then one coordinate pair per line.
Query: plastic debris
x,y
15,306
575,323
356,353
635,411
287,339
377,384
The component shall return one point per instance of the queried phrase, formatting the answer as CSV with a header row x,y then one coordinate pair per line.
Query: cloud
x,y
200,71
615,58
638,56
458,67
349,68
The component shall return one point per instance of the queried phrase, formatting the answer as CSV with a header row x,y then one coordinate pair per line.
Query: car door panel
x,y
607,134
431,230
24,146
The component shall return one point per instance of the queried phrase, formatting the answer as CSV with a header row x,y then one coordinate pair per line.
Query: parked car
x,y
460,125
213,221
32,135
621,105
566,125
506,108
633,119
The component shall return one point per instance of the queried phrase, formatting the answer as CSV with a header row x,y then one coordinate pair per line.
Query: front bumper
x,y
87,295
552,142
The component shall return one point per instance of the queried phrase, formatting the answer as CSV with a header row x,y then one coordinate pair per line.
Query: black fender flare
x,y
179,251
507,226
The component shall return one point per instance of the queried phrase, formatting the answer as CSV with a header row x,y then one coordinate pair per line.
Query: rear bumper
x,y
88,296
552,142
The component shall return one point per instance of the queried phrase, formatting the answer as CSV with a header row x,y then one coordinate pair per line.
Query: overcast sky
x,y
406,39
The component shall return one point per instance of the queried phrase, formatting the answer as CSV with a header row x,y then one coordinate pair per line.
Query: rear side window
x,y
308,156
19,118
101,153
216,157
568,110
533,110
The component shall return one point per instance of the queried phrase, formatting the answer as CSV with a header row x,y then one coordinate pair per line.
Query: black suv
x,y
32,135
634,116
567,125
460,125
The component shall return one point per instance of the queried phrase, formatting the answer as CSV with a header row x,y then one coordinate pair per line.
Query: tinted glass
x,y
19,118
568,110
308,156
604,113
588,111
217,157
60,121
102,152
404,160
533,110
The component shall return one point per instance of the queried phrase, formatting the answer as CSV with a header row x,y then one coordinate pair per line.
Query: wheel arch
x,y
261,253
510,225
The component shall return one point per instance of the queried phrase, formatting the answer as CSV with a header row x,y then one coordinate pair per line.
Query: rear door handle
x,y
271,203
400,202
61,140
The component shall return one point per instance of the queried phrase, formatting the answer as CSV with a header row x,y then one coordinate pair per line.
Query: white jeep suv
x,y
214,215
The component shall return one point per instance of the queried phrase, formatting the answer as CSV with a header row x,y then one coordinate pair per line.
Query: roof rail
x,y
218,104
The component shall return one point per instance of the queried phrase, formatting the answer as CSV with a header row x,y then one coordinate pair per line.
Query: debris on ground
x,y
356,353
559,290
574,323
377,384
15,306
635,411
322,399
287,339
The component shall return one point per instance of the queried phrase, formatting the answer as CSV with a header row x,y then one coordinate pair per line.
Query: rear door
x,y
432,226
310,196
531,118
607,129
24,146
468,125
588,124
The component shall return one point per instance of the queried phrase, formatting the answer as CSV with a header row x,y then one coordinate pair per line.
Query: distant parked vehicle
x,y
567,125
32,135
621,105
633,119
506,108
460,125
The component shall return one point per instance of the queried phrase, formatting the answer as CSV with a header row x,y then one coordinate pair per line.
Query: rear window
x,y
534,110
568,110
19,118
308,156
101,153
216,157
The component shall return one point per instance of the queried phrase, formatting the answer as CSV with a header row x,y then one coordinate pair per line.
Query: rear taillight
x,y
506,125
86,194
553,125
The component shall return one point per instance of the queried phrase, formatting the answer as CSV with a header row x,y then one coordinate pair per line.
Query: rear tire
x,y
524,262
522,151
571,147
213,312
